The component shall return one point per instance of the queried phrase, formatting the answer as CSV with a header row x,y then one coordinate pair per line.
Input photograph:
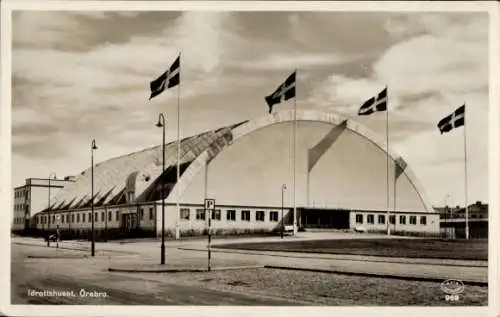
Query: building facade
x,y
245,167
452,220
33,197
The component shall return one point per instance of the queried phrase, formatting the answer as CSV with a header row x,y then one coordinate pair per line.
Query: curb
x,y
269,253
76,248
172,270
380,275
84,256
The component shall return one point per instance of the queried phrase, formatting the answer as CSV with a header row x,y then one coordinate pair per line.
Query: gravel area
x,y
328,289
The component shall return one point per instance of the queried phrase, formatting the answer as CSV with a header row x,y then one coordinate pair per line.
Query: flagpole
x,y
465,170
295,157
387,163
308,184
177,233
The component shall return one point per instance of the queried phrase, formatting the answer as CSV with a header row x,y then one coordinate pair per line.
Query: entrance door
x,y
129,222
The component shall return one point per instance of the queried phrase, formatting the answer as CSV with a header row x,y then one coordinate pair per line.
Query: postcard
x,y
212,158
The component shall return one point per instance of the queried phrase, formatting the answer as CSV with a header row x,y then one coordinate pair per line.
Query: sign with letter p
x,y
209,204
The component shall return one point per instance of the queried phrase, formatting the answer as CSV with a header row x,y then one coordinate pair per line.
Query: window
x,y
102,216
413,220
53,218
142,213
245,215
117,216
273,216
110,216
231,215
370,219
423,220
216,214
72,218
90,217
392,220
200,214
151,213
185,213
62,218
260,215
381,218
96,216
83,217
402,220
77,217
359,218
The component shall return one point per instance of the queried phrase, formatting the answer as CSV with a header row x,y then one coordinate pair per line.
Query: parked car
x,y
359,229
52,237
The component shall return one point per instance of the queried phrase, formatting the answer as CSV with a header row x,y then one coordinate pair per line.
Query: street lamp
x,y
57,232
161,124
283,188
92,148
48,209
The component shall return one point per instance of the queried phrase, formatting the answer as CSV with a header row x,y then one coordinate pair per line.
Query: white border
x,y
5,155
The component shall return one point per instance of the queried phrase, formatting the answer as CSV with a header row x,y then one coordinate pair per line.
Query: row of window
x,y
18,221
230,215
87,217
19,207
18,194
370,219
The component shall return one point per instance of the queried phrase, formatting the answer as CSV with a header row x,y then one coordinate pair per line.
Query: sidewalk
x,y
74,245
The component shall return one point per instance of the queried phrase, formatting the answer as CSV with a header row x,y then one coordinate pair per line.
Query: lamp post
x,y
283,188
92,148
48,208
57,232
161,124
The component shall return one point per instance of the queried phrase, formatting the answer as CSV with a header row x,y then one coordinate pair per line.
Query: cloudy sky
x,y
84,75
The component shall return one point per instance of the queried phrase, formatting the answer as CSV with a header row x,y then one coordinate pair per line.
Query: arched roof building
x,y
248,163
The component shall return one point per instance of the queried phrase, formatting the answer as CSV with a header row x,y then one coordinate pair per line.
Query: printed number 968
x,y
452,298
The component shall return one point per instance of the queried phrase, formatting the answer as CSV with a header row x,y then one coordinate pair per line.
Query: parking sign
x,y
209,204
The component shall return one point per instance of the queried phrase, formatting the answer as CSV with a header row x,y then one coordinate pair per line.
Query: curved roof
x,y
114,176
138,171
302,115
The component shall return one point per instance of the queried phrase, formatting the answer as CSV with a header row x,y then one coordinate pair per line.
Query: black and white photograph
x,y
251,155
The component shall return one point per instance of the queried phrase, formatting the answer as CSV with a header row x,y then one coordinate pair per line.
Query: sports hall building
x,y
248,169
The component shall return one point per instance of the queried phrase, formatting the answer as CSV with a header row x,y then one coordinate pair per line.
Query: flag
x,y
454,120
376,103
284,92
168,79
316,152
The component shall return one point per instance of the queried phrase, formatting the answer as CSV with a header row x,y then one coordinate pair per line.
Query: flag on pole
x,y
454,120
374,104
284,92
317,151
168,79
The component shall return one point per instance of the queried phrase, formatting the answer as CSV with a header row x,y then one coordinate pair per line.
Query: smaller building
x,y
452,220
33,197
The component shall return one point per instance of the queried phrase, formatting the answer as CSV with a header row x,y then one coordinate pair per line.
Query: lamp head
x,y
161,120
94,147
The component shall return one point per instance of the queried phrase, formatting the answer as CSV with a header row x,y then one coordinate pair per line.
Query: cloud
x,y
444,65
303,61
86,75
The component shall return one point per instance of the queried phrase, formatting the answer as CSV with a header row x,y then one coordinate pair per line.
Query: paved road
x,y
90,274
148,251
